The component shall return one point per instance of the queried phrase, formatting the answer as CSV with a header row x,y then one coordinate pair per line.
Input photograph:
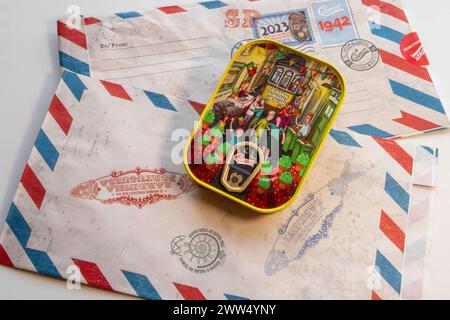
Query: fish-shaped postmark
x,y
310,222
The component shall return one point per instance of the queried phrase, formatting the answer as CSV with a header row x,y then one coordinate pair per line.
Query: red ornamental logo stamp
x,y
412,50
138,187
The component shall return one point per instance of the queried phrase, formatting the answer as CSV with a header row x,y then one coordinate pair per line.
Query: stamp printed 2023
x,y
291,28
334,22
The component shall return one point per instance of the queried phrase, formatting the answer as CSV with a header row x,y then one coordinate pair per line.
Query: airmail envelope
x,y
104,199
183,50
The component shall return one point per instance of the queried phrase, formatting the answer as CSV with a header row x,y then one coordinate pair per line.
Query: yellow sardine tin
x,y
262,129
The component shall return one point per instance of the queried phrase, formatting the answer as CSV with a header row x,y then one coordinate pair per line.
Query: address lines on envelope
x,y
357,95
154,58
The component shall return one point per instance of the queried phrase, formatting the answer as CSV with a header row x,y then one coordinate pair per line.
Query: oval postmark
x,y
203,250
138,187
360,54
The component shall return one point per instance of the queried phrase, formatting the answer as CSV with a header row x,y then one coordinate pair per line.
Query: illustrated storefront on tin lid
x,y
284,84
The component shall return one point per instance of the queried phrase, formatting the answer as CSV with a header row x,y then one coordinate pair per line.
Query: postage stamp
x,y
360,55
291,28
137,187
334,22
203,250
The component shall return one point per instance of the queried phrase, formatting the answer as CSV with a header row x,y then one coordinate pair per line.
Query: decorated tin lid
x,y
266,168
206,139
224,147
218,128
216,132
264,182
212,158
286,177
209,117
264,86
303,159
285,162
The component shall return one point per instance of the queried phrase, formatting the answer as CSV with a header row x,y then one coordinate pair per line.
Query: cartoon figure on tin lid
x,y
305,126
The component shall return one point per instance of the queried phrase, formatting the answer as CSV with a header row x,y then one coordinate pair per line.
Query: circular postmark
x,y
238,45
360,55
203,250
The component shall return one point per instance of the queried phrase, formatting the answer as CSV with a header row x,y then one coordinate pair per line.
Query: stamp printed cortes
x,y
334,22
291,28
360,55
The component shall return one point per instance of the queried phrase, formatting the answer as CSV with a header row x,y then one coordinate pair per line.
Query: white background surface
x,y
29,76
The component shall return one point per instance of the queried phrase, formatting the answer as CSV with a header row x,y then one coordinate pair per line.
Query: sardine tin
x,y
284,103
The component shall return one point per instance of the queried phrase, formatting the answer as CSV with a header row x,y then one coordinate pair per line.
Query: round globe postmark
x,y
203,250
360,55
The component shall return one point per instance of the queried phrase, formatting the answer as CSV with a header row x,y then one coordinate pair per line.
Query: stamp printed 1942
x,y
334,22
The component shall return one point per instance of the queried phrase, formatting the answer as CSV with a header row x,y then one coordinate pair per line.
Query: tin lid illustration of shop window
x,y
262,130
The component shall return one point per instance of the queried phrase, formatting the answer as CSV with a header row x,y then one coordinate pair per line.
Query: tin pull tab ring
x,y
242,164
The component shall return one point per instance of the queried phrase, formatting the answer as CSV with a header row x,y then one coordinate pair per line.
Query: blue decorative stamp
x,y
310,223
334,22
291,28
